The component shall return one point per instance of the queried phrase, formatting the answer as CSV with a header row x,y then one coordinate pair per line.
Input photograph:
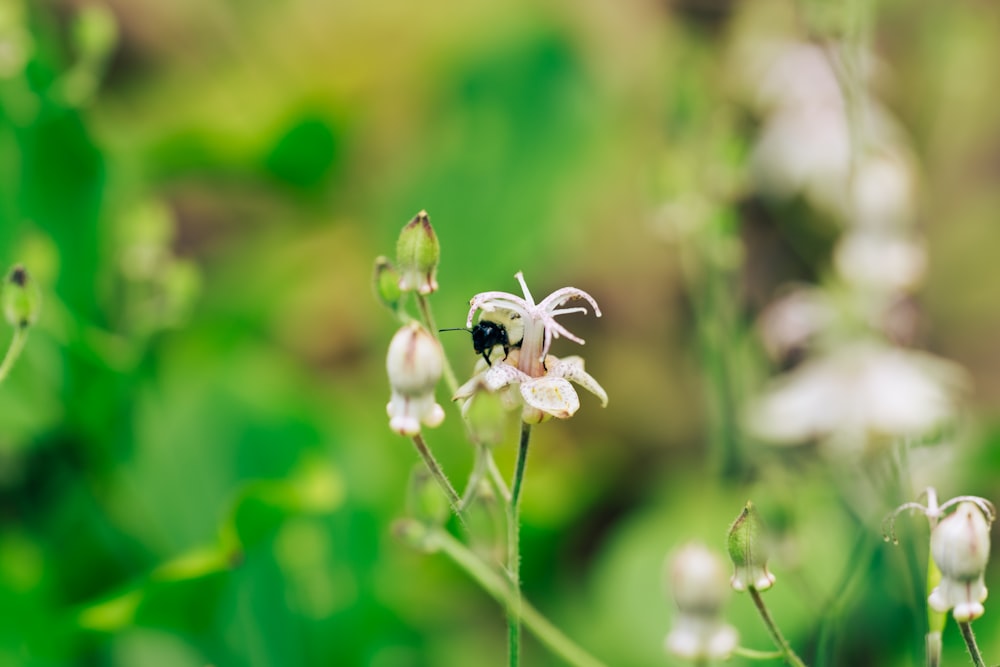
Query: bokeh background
x,y
195,464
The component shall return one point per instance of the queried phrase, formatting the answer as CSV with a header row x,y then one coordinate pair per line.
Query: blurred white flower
x,y
883,190
698,582
881,261
791,321
857,394
960,546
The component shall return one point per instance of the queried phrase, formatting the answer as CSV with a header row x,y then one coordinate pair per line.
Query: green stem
x,y
438,473
514,550
970,643
752,654
790,656
428,317
501,590
14,351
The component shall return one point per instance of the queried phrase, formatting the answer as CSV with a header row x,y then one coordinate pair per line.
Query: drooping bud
x,y
697,582
417,255
386,282
749,551
21,298
414,363
960,546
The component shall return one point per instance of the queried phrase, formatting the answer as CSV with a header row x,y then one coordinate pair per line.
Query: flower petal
x,y
571,368
501,375
551,395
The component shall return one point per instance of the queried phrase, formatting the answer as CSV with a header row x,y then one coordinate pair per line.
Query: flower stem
x,y
970,643
752,654
14,351
494,584
790,656
514,551
428,317
437,472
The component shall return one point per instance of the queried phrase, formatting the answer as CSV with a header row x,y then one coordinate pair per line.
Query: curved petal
x,y
551,395
561,296
571,368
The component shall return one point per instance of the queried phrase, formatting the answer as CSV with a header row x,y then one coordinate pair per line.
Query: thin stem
x,y
14,351
437,472
501,590
428,316
753,654
970,643
514,550
790,656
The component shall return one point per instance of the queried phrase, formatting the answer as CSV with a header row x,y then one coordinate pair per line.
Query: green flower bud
x,y
748,551
417,255
415,534
21,298
386,282
425,501
485,415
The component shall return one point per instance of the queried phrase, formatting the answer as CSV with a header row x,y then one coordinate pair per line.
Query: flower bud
x,y
414,364
415,535
697,582
21,298
417,255
748,551
485,415
960,546
425,501
386,282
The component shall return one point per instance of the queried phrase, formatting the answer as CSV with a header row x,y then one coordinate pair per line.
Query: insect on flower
x,y
502,327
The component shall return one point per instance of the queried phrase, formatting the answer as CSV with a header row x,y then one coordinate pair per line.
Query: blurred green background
x,y
195,464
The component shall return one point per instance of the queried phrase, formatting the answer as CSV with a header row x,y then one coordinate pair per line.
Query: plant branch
x,y
514,549
790,656
14,351
501,590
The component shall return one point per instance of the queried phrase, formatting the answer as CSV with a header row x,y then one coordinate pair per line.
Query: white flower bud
x,y
698,583
414,363
960,546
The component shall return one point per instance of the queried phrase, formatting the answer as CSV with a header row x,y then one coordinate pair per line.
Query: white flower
x,y
858,394
540,325
960,546
698,584
530,375
414,363
880,261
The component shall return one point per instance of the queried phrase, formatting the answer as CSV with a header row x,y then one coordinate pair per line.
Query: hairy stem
x,y
970,643
779,639
501,590
437,472
514,550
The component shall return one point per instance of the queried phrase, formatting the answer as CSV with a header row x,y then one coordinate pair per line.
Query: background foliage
x,y
195,466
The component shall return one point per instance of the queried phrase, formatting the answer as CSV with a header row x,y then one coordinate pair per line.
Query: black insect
x,y
490,331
